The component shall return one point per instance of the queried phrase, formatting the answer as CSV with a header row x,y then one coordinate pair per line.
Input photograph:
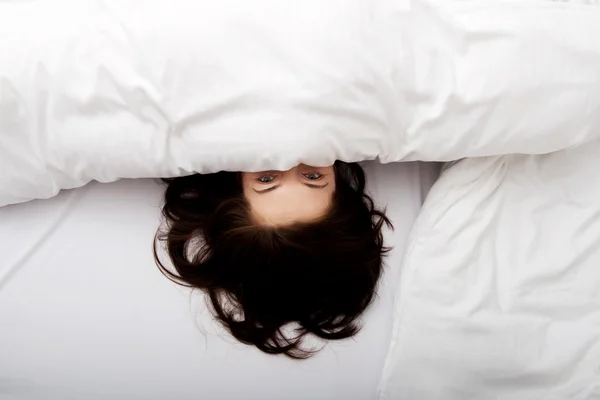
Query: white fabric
x,y
500,292
85,313
104,89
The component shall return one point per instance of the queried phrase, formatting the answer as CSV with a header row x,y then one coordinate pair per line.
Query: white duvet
x,y
500,293
109,89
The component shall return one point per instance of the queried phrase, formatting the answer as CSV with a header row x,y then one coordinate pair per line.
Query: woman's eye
x,y
313,176
266,178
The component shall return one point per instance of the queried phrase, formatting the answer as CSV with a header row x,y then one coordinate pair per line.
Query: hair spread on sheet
x,y
271,286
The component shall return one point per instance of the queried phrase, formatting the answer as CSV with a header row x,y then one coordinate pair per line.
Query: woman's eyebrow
x,y
266,190
312,186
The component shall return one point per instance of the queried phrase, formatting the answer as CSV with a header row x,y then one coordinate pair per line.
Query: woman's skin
x,y
301,194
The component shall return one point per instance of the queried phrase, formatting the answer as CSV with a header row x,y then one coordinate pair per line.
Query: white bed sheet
x,y
500,290
85,314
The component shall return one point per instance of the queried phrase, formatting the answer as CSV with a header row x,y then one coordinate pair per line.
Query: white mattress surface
x,y
85,314
500,289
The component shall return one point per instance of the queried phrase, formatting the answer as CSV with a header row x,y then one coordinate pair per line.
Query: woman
x,y
274,250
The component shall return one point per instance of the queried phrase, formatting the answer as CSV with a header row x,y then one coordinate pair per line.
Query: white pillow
x,y
144,88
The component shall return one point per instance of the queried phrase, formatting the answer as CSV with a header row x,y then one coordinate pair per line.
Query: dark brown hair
x,y
319,276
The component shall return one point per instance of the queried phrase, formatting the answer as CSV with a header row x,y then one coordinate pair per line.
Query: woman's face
x,y
301,194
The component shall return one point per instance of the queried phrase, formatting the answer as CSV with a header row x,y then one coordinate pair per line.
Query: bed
x,y
497,294
87,315
500,287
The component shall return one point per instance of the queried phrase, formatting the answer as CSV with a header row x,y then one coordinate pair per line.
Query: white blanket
x,y
500,293
109,89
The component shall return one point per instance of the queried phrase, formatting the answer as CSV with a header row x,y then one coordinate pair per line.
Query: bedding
x,y
85,313
500,289
109,89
